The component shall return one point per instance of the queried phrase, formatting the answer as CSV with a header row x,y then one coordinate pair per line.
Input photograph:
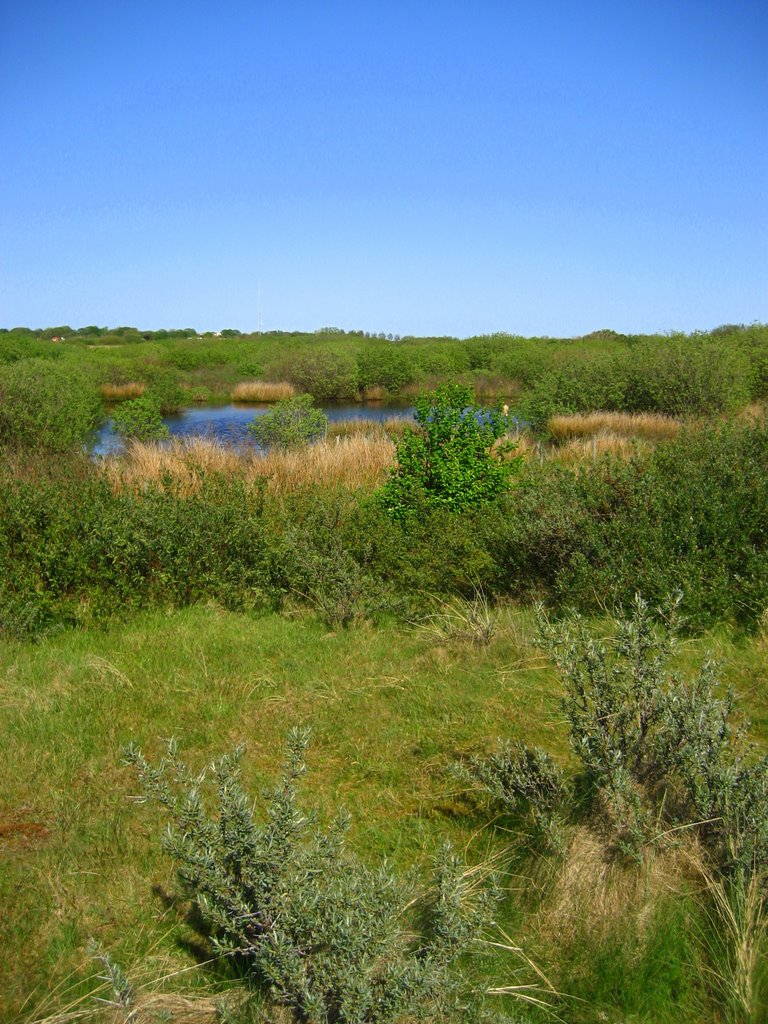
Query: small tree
x,y
454,460
290,423
139,420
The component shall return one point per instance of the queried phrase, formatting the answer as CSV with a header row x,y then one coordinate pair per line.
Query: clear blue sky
x,y
541,168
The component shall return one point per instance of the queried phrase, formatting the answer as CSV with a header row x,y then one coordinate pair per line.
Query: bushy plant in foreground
x,y
331,939
656,750
290,423
453,460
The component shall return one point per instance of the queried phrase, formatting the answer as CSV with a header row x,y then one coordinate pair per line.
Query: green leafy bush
x,y
329,938
323,373
139,419
47,405
452,460
385,366
290,423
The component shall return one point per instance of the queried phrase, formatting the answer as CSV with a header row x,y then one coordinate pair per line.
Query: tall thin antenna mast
x,y
261,322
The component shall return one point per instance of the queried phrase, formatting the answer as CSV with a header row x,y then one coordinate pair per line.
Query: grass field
x,y
390,709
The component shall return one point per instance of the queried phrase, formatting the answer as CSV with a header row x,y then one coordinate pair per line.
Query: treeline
x,y
682,375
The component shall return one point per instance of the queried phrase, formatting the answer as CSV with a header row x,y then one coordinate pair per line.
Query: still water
x,y
229,423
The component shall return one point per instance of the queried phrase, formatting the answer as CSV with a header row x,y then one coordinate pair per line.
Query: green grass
x,y
389,710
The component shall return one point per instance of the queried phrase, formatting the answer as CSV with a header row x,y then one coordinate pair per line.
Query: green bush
x,y
139,419
387,367
290,423
72,551
328,938
322,373
452,460
47,406
687,517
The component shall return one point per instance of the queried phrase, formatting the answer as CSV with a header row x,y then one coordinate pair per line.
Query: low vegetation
x,y
377,583
653,426
262,391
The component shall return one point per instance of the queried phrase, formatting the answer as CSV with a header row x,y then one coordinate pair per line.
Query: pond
x,y
229,423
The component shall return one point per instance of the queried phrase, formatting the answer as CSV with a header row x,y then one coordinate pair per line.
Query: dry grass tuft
x,y
347,461
740,915
595,889
262,391
182,465
462,620
375,394
122,392
651,426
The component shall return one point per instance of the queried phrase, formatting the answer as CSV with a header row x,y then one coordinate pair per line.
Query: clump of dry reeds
x,y
648,425
357,426
262,391
122,392
374,394
183,465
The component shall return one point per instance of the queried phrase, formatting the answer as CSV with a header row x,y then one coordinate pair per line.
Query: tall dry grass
x,y
262,391
357,426
182,466
374,394
648,425
122,392
592,448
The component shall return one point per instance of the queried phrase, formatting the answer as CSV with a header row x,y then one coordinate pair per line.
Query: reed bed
x,y
122,392
649,425
183,465
374,394
357,426
262,391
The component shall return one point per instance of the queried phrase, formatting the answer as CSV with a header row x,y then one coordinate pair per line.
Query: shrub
x,y
139,420
452,461
291,423
326,375
329,938
385,366
47,406
522,780
654,749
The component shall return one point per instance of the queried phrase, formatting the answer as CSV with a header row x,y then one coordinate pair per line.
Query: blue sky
x,y
419,168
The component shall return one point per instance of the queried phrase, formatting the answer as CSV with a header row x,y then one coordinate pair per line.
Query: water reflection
x,y
229,423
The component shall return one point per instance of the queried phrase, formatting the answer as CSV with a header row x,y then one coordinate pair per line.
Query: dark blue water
x,y
229,423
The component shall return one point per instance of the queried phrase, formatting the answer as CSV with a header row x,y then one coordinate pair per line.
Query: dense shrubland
x,y
688,515
703,373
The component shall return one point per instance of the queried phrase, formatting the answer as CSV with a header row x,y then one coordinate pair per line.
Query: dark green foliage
x,y
165,389
71,550
290,423
450,461
329,938
139,419
46,406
